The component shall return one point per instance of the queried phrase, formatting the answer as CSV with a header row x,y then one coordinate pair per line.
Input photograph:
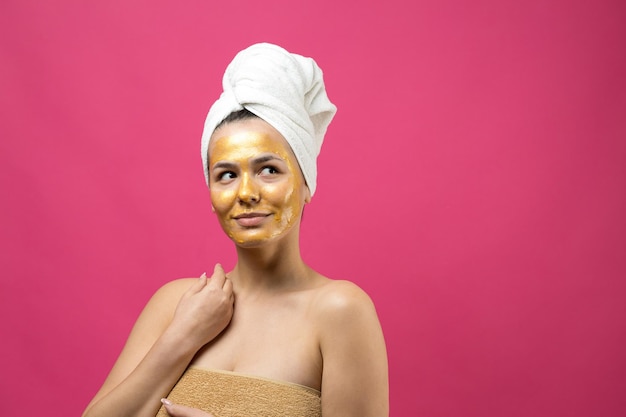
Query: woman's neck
x,y
271,268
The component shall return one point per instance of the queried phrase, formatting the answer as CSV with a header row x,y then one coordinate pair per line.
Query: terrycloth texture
x,y
229,394
287,91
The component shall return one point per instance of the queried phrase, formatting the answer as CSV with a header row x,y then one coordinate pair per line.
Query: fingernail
x,y
165,401
203,275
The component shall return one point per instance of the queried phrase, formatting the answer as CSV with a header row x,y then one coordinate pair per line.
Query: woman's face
x,y
257,189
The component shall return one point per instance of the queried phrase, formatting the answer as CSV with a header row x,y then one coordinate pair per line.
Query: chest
x,y
274,339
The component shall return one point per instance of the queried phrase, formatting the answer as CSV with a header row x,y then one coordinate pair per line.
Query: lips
x,y
250,219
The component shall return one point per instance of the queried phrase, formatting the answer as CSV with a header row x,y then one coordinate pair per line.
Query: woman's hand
x,y
204,310
177,410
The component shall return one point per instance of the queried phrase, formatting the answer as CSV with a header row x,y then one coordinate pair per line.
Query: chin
x,y
250,243
258,238
251,239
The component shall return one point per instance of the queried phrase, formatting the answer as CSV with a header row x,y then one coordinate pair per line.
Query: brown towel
x,y
229,394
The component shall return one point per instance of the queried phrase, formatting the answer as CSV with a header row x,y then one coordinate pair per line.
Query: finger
x,y
197,285
218,277
178,410
228,288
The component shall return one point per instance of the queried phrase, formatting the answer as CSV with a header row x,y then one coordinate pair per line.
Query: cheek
x,y
290,201
221,200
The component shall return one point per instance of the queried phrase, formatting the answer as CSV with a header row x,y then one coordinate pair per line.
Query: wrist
x,y
179,343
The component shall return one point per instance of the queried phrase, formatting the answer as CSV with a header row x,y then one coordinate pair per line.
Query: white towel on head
x,y
284,89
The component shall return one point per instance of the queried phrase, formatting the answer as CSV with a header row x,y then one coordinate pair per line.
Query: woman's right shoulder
x,y
174,289
163,302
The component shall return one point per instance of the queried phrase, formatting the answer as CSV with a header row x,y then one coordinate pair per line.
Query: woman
x,y
272,337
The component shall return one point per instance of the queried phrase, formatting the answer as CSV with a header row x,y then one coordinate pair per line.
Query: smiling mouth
x,y
250,219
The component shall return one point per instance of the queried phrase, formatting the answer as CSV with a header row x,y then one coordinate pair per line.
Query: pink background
x,y
473,182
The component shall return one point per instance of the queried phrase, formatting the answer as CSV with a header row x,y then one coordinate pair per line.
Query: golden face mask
x,y
257,188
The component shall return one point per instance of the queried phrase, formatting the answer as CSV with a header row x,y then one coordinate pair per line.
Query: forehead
x,y
246,139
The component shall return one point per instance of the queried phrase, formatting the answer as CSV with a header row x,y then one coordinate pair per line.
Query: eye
x,y
226,176
269,170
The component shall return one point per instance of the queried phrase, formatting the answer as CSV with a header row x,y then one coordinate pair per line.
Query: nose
x,y
248,190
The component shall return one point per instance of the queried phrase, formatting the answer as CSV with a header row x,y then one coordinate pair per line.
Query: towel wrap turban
x,y
287,91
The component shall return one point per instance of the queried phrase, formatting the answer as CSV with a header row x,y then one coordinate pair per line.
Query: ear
x,y
307,195
212,208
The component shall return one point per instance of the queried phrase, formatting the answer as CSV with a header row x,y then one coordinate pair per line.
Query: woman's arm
x,y
355,378
166,336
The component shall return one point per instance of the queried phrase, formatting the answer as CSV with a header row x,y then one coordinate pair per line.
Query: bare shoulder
x,y
174,289
171,291
161,306
339,301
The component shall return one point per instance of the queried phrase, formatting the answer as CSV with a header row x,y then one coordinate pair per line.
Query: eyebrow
x,y
256,161
225,165
266,158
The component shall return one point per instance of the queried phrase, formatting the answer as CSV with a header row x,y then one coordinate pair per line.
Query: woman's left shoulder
x,y
340,298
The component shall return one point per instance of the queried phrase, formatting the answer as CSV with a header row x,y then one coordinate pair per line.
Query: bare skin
x,y
271,316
